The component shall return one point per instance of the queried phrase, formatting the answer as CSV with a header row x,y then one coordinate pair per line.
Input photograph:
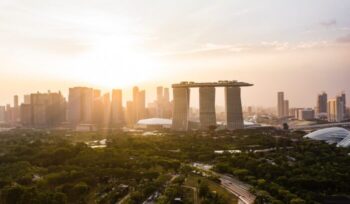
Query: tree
x,y
203,189
297,201
12,194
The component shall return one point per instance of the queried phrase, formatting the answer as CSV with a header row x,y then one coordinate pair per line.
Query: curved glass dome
x,y
337,135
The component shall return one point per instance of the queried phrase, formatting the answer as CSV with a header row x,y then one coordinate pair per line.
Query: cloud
x,y
329,23
344,39
215,50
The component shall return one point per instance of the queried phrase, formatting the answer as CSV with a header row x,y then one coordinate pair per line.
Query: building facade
x,y
181,109
117,115
233,104
80,105
280,104
336,109
207,114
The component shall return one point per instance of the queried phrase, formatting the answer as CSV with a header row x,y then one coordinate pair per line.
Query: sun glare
x,y
116,62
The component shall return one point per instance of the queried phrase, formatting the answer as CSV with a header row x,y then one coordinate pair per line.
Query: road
x,y
123,199
236,187
195,194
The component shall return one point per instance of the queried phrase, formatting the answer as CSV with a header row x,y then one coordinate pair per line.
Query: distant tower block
x,y
207,107
181,109
234,115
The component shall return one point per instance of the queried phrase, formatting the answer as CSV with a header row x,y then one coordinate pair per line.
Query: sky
x,y
299,47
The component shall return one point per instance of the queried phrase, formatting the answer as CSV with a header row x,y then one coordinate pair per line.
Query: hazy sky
x,y
300,47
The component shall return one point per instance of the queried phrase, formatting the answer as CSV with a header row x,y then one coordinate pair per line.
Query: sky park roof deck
x,y
226,83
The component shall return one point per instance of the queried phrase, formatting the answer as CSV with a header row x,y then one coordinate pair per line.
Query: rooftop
x,y
226,83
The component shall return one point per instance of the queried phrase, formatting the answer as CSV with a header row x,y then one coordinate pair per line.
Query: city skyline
x,y
174,101
56,45
151,96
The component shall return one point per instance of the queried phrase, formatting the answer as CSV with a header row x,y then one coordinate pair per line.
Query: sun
x,y
116,63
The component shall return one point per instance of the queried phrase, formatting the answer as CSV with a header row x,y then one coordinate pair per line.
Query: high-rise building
x,y
44,110
26,99
294,112
160,102
141,108
163,105
233,108
98,110
97,93
15,101
2,114
167,106
9,114
160,93
16,113
139,103
321,107
280,104
26,114
336,109
56,109
343,98
117,114
80,105
106,109
234,112
322,103
286,108
181,109
207,114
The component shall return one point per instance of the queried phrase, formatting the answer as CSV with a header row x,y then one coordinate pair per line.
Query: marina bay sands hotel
x,y
207,115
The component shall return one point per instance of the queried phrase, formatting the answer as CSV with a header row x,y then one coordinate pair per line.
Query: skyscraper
x,y
117,108
160,102
181,109
167,106
98,110
15,101
96,93
16,113
336,109
207,115
286,108
343,98
322,103
106,101
139,103
2,114
80,105
280,104
44,110
234,112
26,115
26,99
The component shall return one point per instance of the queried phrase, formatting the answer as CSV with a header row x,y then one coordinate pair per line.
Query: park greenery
x,y
44,167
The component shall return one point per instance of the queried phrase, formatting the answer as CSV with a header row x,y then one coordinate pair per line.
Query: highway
x,y
234,186
237,188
